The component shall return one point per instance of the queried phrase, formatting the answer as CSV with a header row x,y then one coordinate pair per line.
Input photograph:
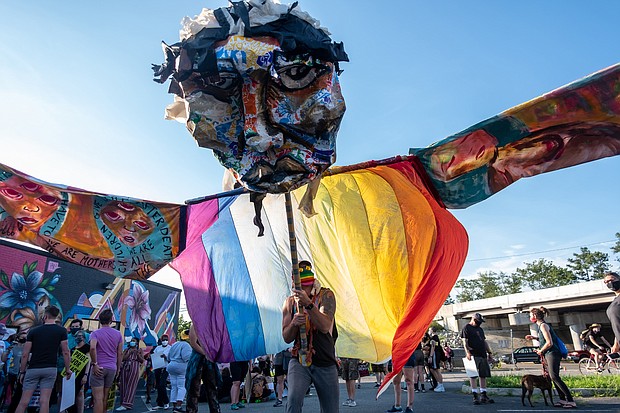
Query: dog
x,y
529,382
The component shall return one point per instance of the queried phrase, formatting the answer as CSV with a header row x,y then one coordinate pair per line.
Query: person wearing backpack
x,y
551,355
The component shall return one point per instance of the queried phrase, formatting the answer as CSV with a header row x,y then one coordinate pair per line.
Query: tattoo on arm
x,y
328,304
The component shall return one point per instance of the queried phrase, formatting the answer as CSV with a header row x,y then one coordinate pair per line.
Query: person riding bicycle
x,y
596,344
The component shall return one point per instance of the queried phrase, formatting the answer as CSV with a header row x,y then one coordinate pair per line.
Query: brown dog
x,y
529,382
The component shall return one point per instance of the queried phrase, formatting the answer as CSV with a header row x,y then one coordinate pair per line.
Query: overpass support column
x,y
575,329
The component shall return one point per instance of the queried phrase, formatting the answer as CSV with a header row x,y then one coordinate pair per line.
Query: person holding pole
x,y
311,310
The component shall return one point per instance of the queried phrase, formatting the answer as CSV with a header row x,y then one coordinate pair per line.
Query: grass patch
x,y
609,385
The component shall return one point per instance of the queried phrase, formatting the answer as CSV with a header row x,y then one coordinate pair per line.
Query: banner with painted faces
x,y
574,124
261,90
124,237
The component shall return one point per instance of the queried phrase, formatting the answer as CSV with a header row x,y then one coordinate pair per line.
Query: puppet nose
x,y
258,134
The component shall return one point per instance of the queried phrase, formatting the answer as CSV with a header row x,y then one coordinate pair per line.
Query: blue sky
x,y
79,107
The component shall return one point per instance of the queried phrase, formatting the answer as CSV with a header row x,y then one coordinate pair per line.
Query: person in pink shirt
x,y
106,353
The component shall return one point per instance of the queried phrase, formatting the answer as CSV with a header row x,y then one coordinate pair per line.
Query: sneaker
x,y
347,403
378,384
359,386
423,389
234,406
121,409
241,405
158,407
278,403
416,391
440,388
476,398
352,403
484,399
394,409
166,406
408,410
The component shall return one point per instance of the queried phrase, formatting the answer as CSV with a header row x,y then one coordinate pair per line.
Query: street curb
x,y
516,391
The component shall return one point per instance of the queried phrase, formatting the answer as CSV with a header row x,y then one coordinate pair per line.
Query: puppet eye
x,y
226,82
11,193
48,199
299,76
142,225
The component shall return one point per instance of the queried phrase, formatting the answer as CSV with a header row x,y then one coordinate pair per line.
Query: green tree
x,y
589,265
183,325
544,274
488,284
616,248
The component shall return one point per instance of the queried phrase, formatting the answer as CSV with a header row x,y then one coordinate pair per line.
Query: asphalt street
x,y
452,401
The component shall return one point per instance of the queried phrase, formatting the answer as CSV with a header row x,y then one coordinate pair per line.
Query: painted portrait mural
x,y
121,236
30,281
258,84
569,126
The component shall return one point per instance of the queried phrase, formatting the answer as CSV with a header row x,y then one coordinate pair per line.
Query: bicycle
x,y
587,366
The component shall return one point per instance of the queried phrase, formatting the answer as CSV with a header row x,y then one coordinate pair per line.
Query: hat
x,y
305,273
595,325
478,317
184,335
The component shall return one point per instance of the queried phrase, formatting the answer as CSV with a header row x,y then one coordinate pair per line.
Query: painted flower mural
x,y
138,303
26,294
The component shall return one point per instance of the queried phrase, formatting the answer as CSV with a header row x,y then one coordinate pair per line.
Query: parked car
x,y
528,353
577,355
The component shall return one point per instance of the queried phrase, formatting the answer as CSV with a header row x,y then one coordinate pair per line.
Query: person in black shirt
x,y
42,344
612,281
476,347
81,346
596,344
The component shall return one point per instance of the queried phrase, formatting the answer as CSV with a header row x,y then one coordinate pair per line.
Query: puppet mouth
x,y
285,175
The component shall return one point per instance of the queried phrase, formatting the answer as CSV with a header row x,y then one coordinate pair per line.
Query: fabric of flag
x,y
124,237
379,241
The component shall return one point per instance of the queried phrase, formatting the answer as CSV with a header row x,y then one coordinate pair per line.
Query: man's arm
x,y
290,324
323,318
25,355
97,370
66,355
193,341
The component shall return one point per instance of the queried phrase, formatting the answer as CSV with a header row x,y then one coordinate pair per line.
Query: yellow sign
x,y
112,397
79,361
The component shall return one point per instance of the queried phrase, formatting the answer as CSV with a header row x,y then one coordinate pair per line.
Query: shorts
x,y
350,369
44,377
106,380
434,363
416,359
378,368
238,370
482,365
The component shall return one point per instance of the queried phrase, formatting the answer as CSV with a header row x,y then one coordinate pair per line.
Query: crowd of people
x,y
35,362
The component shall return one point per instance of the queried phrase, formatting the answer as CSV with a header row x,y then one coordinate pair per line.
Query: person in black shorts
x,y
476,347
238,371
416,359
280,366
42,346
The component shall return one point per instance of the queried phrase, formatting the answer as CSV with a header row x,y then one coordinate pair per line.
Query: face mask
x,y
21,340
79,339
74,330
614,285
164,343
476,322
533,319
133,344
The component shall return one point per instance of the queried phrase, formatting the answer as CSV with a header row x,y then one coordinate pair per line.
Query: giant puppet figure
x,y
257,82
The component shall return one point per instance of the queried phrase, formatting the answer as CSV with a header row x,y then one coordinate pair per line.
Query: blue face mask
x,y
132,344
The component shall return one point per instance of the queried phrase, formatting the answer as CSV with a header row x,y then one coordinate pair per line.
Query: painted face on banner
x,y
27,202
127,221
271,117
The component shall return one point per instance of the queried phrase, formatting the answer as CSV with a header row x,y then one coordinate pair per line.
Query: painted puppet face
x,y
128,222
29,203
463,155
271,117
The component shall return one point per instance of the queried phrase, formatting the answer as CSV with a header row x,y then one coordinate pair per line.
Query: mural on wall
x,y
31,280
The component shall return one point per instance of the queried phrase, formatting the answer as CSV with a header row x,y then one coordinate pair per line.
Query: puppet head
x,y
257,82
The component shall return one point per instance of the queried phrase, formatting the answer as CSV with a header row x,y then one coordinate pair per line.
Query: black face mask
x,y
74,330
614,285
22,340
